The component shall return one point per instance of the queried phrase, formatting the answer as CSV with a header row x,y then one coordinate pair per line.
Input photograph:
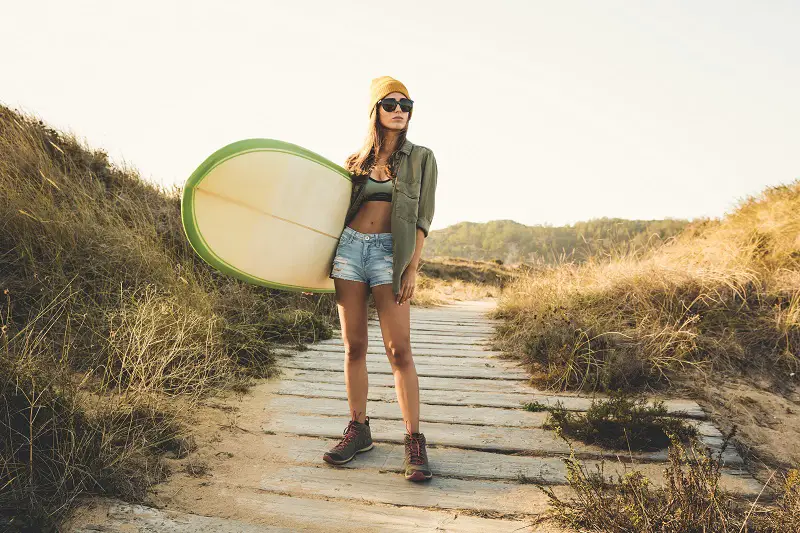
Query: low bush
x,y
621,422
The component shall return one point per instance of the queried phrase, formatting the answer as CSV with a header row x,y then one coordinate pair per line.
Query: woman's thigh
x,y
351,301
395,320
378,265
348,263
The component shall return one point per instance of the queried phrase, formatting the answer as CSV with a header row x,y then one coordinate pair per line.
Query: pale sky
x,y
541,112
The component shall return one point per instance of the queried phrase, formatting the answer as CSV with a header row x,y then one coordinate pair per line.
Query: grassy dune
x,y
110,325
714,311
721,298
446,279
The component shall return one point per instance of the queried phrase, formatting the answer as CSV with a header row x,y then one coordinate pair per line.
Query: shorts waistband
x,y
366,236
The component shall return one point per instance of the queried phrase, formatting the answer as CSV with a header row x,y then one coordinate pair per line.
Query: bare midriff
x,y
373,216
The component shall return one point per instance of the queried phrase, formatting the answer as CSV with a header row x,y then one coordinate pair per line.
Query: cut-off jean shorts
x,y
365,257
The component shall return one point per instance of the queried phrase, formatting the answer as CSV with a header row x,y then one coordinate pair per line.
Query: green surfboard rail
x,y
225,153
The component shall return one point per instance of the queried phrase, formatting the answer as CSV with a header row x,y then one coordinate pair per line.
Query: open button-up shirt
x,y
413,202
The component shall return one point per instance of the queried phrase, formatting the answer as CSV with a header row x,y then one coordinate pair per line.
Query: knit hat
x,y
382,86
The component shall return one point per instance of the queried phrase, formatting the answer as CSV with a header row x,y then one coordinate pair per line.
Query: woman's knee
x,y
400,355
355,348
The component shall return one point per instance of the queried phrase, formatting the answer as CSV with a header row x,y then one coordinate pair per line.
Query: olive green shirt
x,y
412,204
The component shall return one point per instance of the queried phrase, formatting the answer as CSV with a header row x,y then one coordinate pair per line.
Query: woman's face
x,y
397,119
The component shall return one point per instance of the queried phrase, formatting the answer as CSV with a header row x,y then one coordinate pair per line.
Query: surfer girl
x,y
391,208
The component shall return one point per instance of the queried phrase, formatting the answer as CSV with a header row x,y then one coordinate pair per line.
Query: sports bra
x,y
378,190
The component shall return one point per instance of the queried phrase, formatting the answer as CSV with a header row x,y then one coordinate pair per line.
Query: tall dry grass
x,y
724,296
109,322
692,499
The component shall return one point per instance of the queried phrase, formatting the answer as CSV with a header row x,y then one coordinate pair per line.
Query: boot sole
x,y
418,475
331,460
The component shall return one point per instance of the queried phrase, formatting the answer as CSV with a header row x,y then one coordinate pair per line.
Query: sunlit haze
x,y
540,112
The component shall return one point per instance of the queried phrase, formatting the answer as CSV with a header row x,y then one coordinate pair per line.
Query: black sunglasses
x,y
390,104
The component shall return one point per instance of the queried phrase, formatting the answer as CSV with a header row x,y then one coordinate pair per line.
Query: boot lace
x,y
350,433
414,450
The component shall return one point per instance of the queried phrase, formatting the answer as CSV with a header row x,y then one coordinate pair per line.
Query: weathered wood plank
x,y
390,487
378,348
433,338
451,414
475,464
431,349
424,359
445,321
486,438
294,513
378,367
478,398
455,332
131,518
428,412
476,329
425,382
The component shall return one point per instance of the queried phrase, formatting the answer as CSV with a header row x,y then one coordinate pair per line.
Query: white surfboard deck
x,y
268,212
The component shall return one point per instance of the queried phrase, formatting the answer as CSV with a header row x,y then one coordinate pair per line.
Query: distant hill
x,y
512,242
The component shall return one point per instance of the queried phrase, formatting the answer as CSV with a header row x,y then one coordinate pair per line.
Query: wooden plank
x,y
444,461
475,464
441,332
392,488
452,414
478,398
432,339
475,329
432,349
293,513
378,367
450,322
425,382
453,319
424,359
487,438
428,412
378,348
129,518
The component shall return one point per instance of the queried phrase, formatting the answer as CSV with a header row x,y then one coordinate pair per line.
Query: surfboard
x,y
267,212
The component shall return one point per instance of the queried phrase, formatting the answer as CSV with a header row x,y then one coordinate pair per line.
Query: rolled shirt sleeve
x,y
427,194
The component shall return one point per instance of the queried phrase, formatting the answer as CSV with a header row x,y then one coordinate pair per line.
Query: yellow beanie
x,y
382,86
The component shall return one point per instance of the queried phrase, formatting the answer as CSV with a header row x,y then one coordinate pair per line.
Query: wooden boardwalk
x,y
485,450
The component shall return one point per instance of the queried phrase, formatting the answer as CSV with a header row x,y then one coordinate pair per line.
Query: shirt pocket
x,y
407,201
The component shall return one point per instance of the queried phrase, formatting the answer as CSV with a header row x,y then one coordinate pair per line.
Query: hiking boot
x,y
357,438
416,461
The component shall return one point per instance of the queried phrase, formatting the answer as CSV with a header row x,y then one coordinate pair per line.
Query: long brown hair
x,y
361,163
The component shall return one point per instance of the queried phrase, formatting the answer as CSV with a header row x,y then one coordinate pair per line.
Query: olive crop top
x,y
378,190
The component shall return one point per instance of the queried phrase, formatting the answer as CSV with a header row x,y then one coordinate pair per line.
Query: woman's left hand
x,y
408,282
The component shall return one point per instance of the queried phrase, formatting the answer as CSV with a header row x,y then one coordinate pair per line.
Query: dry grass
x,y
449,279
724,296
109,320
722,300
691,500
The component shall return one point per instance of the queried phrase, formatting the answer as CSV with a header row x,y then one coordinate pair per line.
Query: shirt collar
x,y
406,148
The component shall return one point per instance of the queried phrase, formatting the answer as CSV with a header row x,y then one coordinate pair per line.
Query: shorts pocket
x,y
387,245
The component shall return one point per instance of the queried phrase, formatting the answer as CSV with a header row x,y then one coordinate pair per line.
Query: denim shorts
x,y
365,257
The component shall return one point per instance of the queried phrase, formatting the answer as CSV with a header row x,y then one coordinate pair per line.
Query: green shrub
x,y
621,422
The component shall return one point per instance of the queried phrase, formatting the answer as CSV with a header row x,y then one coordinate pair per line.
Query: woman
x,y
391,208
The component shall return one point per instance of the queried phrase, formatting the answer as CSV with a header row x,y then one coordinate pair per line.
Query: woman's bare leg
x,y
351,300
396,329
